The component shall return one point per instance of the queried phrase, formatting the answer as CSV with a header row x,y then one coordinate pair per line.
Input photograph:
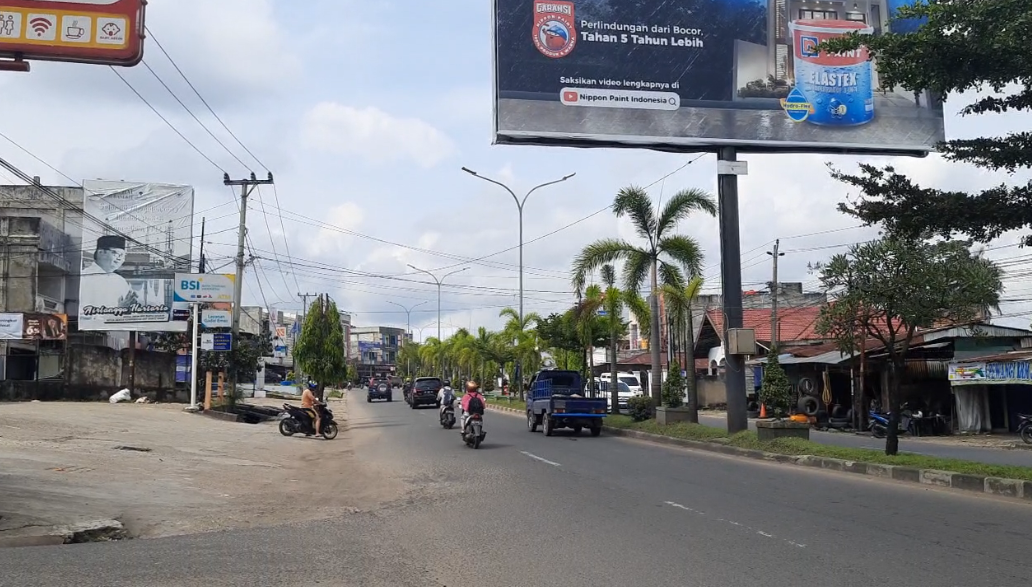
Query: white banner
x,y
130,257
12,326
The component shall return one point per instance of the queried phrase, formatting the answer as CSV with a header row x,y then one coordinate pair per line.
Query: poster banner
x,y
686,75
1005,373
12,326
45,327
135,237
204,287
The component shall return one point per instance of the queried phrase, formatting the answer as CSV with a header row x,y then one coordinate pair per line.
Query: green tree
x,y
524,343
963,46
319,350
663,258
906,285
558,333
673,387
775,391
592,330
679,303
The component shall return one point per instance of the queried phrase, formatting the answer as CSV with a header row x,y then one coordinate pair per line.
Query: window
x,y
818,15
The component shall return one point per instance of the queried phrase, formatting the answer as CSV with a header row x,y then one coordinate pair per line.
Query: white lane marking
x,y
733,523
537,458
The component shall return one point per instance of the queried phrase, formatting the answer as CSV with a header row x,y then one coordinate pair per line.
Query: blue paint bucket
x,y
838,87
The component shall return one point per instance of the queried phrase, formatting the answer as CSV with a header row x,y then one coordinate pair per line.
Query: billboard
x,y
693,75
106,32
33,327
135,237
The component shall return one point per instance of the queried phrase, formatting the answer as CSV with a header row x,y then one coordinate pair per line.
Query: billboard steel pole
x,y
731,284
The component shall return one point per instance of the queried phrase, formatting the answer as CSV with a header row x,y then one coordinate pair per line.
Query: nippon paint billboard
x,y
135,237
693,75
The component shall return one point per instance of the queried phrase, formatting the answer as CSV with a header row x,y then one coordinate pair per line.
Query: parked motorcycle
x,y
879,425
298,420
1025,427
448,415
473,434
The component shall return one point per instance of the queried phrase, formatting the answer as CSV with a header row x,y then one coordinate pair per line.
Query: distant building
x,y
374,349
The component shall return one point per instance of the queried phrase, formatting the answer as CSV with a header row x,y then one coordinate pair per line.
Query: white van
x,y
629,379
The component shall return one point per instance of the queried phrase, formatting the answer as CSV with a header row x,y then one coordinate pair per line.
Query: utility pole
x,y
774,289
519,206
246,187
304,312
200,261
439,282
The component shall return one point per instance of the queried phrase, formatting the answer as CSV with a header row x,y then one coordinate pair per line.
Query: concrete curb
x,y
1014,488
98,531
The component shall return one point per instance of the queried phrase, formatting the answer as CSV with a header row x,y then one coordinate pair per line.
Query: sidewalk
x,y
990,449
161,471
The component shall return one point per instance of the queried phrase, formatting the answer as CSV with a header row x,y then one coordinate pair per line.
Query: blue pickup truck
x,y
555,401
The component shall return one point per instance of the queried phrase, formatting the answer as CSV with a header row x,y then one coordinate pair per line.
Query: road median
x,y
970,476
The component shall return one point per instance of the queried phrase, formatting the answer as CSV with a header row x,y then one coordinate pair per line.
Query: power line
x,y
165,120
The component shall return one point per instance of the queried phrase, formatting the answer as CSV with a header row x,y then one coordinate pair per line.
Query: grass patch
x,y
679,430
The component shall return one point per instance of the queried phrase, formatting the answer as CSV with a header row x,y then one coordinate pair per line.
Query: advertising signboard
x,y
33,326
105,32
216,318
135,236
204,287
693,75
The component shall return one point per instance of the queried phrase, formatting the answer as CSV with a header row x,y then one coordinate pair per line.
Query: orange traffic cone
x,y
763,411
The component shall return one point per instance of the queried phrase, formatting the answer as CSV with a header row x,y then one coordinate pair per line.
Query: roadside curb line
x,y
97,531
1014,488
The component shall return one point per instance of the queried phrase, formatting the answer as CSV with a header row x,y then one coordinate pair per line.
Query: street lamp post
x,y
519,206
408,327
439,282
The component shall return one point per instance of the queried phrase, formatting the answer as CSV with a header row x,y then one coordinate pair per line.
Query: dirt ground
x,y
61,463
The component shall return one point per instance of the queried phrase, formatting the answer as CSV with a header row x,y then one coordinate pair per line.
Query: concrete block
x,y
1004,487
809,461
1026,491
906,474
968,482
937,478
878,470
832,464
854,467
768,430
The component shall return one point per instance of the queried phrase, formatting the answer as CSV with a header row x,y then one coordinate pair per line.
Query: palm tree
x,y
525,350
664,256
613,303
679,301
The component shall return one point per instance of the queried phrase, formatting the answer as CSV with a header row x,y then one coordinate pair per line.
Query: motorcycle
x,y
879,426
473,434
448,415
1025,427
297,420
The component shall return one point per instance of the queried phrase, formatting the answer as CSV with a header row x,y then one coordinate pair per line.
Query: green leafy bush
x,y
673,387
776,391
640,408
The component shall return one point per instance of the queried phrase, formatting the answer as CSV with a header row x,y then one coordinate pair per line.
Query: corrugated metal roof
x,y
1022,355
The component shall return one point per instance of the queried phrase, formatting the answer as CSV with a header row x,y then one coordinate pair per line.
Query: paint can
x,y
838,87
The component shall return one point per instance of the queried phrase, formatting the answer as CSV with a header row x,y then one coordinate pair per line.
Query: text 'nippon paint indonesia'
x,y
837,87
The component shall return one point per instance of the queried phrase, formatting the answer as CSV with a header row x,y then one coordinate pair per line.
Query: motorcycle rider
x,y
445,397
474,397
308,404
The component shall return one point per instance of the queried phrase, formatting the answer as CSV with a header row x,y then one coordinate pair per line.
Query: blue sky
x,y
365,112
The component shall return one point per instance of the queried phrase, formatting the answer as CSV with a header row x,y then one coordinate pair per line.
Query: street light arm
x,y
427,272
453,273
498,183
544,185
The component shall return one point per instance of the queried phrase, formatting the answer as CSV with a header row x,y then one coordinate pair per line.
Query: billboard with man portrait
x,y
684,75
136,236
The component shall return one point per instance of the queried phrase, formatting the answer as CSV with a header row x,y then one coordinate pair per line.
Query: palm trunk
x,y
614,386
689,369
656,378
591,370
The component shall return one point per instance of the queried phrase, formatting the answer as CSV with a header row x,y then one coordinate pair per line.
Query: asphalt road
x,y
526,510
994,456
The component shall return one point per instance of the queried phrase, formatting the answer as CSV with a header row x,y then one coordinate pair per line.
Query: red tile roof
x,y
793,323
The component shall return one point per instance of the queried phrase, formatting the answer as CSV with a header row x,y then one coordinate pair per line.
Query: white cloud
x,y
375,135
327,242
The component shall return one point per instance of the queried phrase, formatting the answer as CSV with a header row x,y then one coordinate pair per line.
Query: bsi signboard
x,y
204,287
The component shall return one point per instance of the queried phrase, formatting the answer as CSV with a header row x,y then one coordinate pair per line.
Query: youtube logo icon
x,y
570,96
